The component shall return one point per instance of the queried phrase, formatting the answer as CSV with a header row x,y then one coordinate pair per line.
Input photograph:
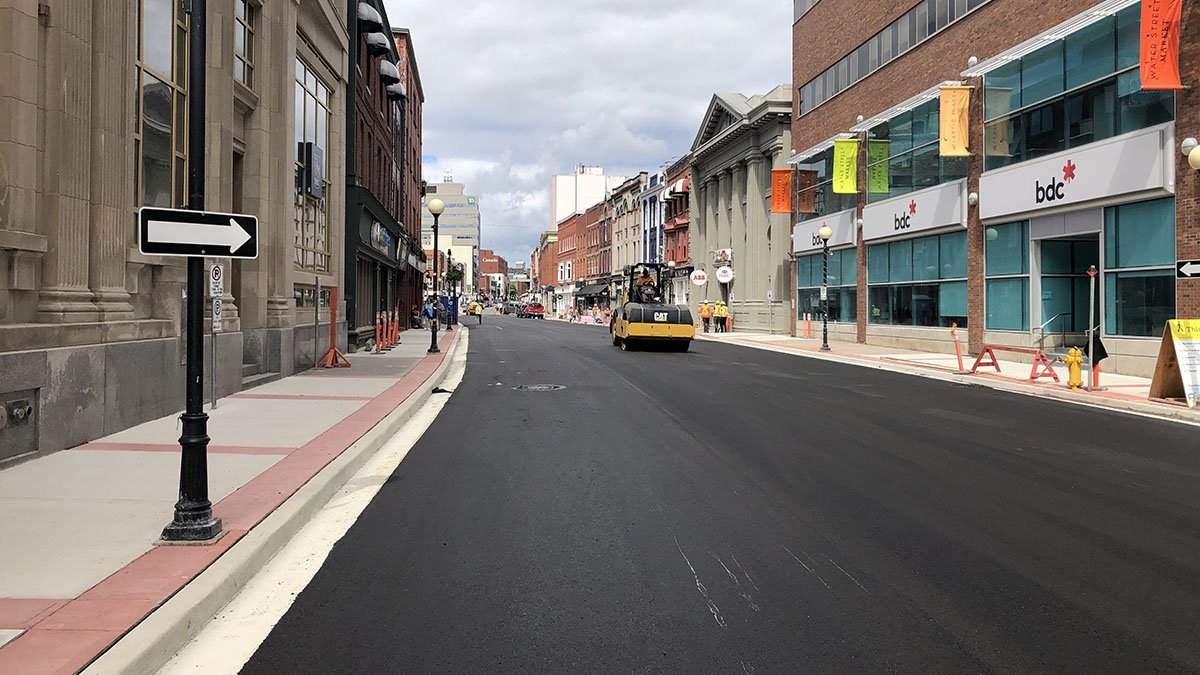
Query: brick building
x,y
567,260
676,222
595,259
493,274
929,241
383,251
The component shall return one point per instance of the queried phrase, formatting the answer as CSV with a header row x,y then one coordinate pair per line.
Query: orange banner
x,y
806,194
781,190
1160,44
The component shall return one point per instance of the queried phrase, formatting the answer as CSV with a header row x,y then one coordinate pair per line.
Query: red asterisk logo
x,y
912,208
1069,171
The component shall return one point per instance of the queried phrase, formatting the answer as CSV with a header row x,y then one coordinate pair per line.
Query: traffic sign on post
x,y
197,233
217,311
216,281
1187,269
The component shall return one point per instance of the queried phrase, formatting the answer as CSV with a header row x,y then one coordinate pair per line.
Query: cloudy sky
x,y
517,91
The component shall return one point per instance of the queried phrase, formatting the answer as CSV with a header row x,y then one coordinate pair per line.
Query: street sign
x,y
216,315
725,274
824,293
178,232
770,296
216,281
699,277
1187,269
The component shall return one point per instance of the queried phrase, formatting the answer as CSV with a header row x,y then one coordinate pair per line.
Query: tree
x,y
512,291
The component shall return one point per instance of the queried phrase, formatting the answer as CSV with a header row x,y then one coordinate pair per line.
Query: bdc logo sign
x,y
903,221
1054,189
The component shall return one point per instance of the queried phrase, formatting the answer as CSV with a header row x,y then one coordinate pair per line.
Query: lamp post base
x,y
183,531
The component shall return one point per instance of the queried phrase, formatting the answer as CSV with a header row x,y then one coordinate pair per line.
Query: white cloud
x,y
520,90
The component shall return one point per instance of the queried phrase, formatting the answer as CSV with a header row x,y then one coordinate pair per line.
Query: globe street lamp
x,y
825,233
436,208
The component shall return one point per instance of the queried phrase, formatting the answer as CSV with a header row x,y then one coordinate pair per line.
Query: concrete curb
x,y
154,641
1148,409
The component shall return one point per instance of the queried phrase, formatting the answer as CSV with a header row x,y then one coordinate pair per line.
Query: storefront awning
x,y
593,290
389,72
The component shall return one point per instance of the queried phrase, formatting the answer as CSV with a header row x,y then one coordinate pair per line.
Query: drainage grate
x,y
538,387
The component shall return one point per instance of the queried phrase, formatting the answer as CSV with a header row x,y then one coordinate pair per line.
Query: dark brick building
x,y
931,241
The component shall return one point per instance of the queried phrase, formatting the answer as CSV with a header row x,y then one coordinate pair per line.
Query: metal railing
x,y
1042,329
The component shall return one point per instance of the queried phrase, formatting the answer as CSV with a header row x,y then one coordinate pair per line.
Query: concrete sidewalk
x,y
1118,392
80,566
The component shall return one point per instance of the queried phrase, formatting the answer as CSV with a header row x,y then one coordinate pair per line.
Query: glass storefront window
x,y
1042,73
1006,267
922,259
1139,267
1128,40
1141,234
1091,115
1138,109
843,275
1091,52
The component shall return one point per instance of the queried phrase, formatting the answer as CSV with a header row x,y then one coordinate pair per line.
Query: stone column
x,y
275,252
747,281
113,29
757,224
66,296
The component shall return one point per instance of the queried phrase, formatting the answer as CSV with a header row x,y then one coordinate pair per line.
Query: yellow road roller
x,y
645,318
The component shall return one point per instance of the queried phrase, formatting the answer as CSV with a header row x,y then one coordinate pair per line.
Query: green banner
x,y
877,166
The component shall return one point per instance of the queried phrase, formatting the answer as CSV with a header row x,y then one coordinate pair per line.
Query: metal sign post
x,y
1092,272
216,289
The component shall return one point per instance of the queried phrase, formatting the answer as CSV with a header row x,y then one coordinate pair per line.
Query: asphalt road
x,y
736,510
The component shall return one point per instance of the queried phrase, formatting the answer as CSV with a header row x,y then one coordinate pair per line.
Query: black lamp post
x,y
436,207
825,233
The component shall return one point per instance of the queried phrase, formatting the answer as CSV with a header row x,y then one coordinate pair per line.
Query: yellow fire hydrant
x,y
1074,361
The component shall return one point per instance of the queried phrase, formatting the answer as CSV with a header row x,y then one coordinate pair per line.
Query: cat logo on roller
x,y
644,317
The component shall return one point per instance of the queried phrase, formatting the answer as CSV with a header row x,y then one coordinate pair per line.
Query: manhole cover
x,y
538,387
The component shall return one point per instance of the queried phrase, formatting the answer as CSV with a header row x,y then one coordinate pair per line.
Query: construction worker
x,y
476,309
721,314
706,313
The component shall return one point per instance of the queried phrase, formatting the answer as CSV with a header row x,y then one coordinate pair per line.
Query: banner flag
x,y
845,166
997,102
1160,44
806,194
877,166
781,191
953,114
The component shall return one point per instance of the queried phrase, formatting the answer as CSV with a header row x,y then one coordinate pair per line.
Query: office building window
x,y
843,280
1139,267
243,42
825,200
1083,88
312,186
900,36
902,154
1006,268
160,105
919,282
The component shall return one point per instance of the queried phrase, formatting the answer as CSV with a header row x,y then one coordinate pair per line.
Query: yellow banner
x,y
845,166
877,166
955,109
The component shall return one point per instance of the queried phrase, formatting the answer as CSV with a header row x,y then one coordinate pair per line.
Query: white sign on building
x,y
805,237
927,209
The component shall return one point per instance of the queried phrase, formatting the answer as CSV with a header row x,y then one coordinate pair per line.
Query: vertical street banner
x,y
877,166
845,166
997,101
781,191
806,193
1160,44
954,110
1177,373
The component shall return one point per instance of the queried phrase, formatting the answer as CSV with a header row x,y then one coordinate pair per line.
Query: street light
x,y
436,208
825,233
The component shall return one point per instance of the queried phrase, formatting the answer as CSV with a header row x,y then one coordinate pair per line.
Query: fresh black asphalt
x,y
740,511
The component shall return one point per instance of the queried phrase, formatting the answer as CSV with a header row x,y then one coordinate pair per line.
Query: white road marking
x,y
712,606
232,637
847,574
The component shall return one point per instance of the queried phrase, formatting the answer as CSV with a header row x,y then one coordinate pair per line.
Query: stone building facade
x,y
740,141
94,94
625,216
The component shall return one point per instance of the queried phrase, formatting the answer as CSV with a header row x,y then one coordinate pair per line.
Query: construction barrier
x,y
958,349
1041,364
333,357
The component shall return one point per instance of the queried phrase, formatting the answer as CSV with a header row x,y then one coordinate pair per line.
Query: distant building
x,y
651,249
493,274
676,221
582,189
625,218
544,267
518,277
458,229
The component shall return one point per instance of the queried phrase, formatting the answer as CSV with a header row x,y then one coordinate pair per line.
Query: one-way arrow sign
x,y
1187,269
197,233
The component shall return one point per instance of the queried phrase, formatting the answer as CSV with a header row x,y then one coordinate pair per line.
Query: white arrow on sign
x,y
1190,269
233,236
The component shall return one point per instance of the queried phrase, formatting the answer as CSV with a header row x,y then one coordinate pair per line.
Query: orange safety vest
x,y
705,311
